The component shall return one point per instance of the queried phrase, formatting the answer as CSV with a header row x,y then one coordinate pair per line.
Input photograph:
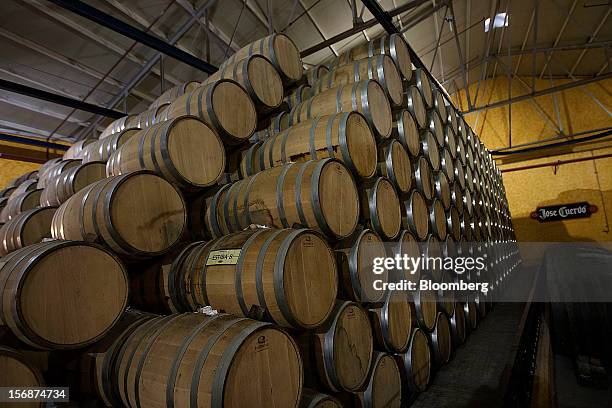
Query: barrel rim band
x,y
343,140
279,194
313,126
316,199
328,135
261,296
279,277
239,265
298,193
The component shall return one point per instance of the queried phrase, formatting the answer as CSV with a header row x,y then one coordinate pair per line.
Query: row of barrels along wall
x,y
225,192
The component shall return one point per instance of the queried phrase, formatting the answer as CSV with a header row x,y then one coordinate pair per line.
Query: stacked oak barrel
x,y
239,218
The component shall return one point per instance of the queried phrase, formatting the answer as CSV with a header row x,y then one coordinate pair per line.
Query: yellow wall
x,y
527,189
10,169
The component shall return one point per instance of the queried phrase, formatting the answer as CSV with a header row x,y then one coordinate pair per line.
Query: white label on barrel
x,y
223,257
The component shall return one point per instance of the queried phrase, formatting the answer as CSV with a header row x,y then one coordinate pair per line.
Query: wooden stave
x,y
149,150
239,71
32,254
400,177
377,67
86,203
206,112
336,136
221,335
265,46
358,99
347,251
11,232
310,210
371,207
173,93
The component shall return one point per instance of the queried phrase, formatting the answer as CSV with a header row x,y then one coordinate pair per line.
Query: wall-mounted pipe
x,y
556,163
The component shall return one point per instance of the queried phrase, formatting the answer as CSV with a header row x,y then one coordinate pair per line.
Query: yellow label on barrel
x,y
223,257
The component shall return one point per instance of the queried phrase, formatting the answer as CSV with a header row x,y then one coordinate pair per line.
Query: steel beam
x,y
86,32
110,22
591,39
59,99
68,61
360,27
29,130
568,47
41,110
565,22
542,92
316,26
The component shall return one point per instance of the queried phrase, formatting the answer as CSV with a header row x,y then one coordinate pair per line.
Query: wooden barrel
x,y
437,219
151,116
298,95
318,194
197,360
447,164
76,150
315,399
393,45
27,228
118,126
96,363
424,178
341,349
316,72
446,298
72,279
366,97
169,95
425,306
458,325
471,315
430,149
450,140
137,214
380,207
422,82
441,342
459,178
345,135
18,372
356,256
70,181
287,276
184,150
55,170
440,104
415,215
392,323
453,223
435,126
442,189
415,363
16,204
6,192
406,131
416,106
258,77
24,186
280,50
102,149
378,67
406,245
452,118
394,164
46,165
224,105
384,386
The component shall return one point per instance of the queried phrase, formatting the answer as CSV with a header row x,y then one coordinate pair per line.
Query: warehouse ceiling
x,y
46,47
